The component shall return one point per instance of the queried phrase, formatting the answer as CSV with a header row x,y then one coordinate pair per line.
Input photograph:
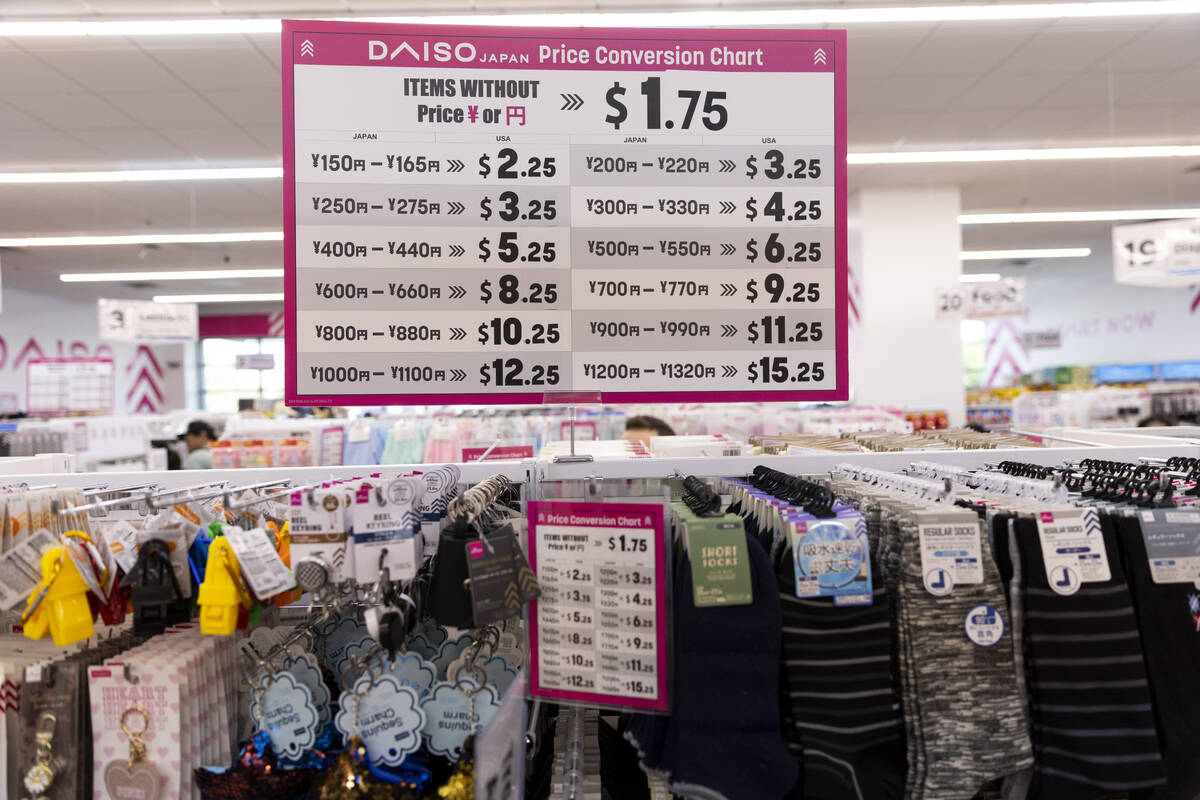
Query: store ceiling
x,y
71,103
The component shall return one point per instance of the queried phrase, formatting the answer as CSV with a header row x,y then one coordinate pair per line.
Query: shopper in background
x,y
1154,422
642,428
198,436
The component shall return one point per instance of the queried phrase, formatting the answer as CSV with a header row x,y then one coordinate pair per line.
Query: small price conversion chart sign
x,y
493,215
598,634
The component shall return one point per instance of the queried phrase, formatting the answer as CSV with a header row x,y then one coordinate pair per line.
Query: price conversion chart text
x,y
497,215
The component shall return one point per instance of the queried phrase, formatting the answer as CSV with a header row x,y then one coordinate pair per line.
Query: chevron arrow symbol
x,y
457,250
728,290
728,371
571,102
727,249
727,165
457,333
819,56
456,208
727,207
455,165
150,387
727,331
306,48
529,582
457,375
457,292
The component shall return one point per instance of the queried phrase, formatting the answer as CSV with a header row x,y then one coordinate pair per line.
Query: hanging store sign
x,y
598,633
254,361
1157,253
143,321
1002,298
493,215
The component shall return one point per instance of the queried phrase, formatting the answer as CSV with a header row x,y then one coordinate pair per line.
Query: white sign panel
x,y
255,361
142,321
1157,253
1002,298
70,385
498,215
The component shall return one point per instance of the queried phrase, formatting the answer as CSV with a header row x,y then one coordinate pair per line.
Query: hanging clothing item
x,y
838,689
1093,725
1169,619
722,740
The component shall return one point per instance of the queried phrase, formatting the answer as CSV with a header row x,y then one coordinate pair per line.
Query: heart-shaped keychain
x,y
136,778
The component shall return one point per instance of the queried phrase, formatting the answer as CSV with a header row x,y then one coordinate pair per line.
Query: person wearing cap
x,y
199,435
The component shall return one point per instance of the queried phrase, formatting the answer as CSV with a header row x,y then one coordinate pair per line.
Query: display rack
x,y
1107,445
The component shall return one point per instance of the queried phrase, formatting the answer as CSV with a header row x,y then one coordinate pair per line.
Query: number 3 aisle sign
x,y
492,215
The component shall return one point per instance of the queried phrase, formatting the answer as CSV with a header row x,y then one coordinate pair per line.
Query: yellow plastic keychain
x,y
59,604
222,591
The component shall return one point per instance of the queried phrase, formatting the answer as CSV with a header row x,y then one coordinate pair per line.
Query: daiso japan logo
x,y
428,51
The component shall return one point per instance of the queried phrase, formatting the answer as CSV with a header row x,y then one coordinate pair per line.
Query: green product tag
x,y
720,561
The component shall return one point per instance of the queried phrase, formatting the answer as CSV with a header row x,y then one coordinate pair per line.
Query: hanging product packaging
x,y
384,524
317,521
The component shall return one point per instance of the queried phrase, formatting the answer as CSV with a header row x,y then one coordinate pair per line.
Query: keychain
x,y
40,776
135,779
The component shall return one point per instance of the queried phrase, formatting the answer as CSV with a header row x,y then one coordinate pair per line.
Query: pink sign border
x,y
836,38
662,703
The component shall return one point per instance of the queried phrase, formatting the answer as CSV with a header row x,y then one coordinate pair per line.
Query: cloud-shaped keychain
x,y
284,709
386,715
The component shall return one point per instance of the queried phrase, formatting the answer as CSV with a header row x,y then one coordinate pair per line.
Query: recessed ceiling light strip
x,y
169,275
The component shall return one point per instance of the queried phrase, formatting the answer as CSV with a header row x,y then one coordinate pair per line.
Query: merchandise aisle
x,y
876,625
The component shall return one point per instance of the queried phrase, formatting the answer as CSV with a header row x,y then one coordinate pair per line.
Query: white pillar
x,y
904,245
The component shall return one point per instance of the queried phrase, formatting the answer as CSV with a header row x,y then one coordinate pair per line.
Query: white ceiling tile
x,y
135,147
256,107
1160,49
223,145
233,66
1039,126
1060,51
901,94
14,119
960,52
1097,88
44,147
269,136
163,110
22,73
871,130
68,111
128,70
880,54
1008,91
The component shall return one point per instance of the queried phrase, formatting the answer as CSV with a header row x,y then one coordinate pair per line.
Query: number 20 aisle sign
x,y
493,215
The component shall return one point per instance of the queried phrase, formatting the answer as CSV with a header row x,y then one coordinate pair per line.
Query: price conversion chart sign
x,y
598,634
494,215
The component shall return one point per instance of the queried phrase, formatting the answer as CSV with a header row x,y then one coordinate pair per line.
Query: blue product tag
x,y
984,625
831,558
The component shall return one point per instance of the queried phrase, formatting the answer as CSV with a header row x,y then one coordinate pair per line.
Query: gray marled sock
x,y
972,721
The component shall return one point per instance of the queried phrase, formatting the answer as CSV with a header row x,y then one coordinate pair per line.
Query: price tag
x,y
568,214
260,564
1172,539
951,550
286,712
720,561
1073,548
599,631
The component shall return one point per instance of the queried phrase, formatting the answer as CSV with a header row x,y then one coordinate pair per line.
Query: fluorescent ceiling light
x,y
1048,252
139,175
1029,154
171,275
144,238
1079,216
260,297
979,277
713,18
